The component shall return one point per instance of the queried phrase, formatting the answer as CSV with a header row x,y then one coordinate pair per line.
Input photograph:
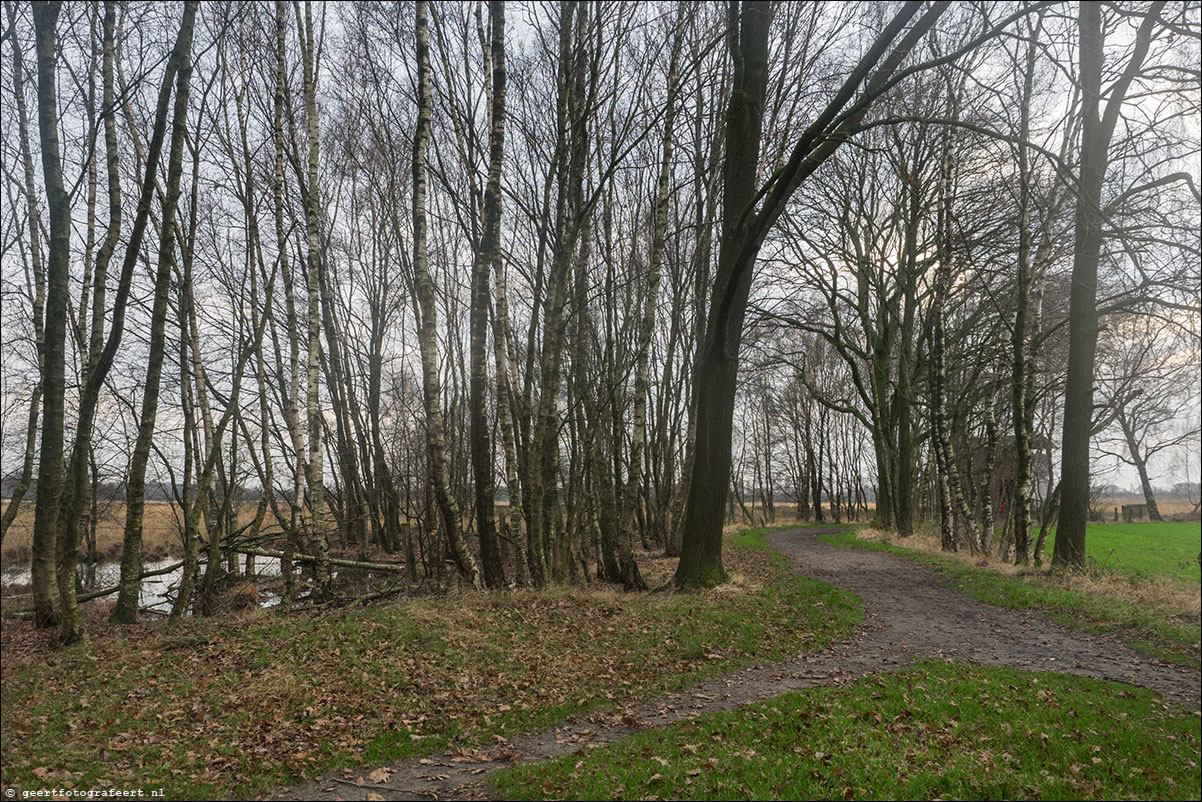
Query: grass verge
x,y
234,707
1148,629
935,731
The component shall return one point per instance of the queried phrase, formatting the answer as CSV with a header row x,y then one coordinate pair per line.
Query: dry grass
x,y
1164,593
162,528
1169,507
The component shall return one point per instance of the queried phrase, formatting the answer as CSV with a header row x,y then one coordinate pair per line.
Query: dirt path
x,y
908,615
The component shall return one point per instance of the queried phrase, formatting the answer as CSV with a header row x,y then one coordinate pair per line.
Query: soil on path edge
x,y
909,615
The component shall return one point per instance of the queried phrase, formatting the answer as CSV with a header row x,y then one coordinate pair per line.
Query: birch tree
x,y
126,609
452,523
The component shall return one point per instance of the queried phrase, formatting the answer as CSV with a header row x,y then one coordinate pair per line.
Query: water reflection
x,y
157,593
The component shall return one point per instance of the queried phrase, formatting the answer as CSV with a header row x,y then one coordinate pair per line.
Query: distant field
x,y
1148,549
162,524
1168,506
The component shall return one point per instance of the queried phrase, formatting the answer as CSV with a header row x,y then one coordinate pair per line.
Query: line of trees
x,y
512,289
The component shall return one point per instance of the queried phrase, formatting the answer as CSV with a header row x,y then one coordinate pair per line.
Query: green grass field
x,y
936,731
1148,549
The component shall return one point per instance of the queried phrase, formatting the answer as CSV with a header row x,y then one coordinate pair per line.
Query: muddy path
x,y
909,615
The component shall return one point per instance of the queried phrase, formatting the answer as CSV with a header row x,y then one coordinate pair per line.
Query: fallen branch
x,y
391,568
96,594
26,612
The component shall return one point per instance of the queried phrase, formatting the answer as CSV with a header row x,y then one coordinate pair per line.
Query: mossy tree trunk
x,y
50,455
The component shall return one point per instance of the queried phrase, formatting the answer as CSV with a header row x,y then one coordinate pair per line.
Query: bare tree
x,y
1098,126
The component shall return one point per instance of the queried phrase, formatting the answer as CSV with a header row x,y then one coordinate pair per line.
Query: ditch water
x,y
157,592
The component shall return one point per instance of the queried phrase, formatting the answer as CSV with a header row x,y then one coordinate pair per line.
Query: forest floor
x,y
240,705
911,617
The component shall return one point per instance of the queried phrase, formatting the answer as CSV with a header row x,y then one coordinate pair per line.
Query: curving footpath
x,y
909,615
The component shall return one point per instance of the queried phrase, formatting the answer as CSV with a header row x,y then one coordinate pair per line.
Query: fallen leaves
x,y
198,703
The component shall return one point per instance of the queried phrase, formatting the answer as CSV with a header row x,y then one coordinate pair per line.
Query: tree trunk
x,y
291,393
39,278
1096,133
131,559
316,473
100,352
743,231
436,445
1141,466
631,578
986,497
50,457
487,255
188,574
1022,367
717,359
543,456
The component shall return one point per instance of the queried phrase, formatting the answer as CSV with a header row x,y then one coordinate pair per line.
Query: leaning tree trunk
x,y
131,558
436,444
743,232
717,358
76,501
38,271
1141,465
101,352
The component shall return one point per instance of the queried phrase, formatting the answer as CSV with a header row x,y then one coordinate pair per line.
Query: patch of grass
x,y
935,731
1145,628
220,707
1167,549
